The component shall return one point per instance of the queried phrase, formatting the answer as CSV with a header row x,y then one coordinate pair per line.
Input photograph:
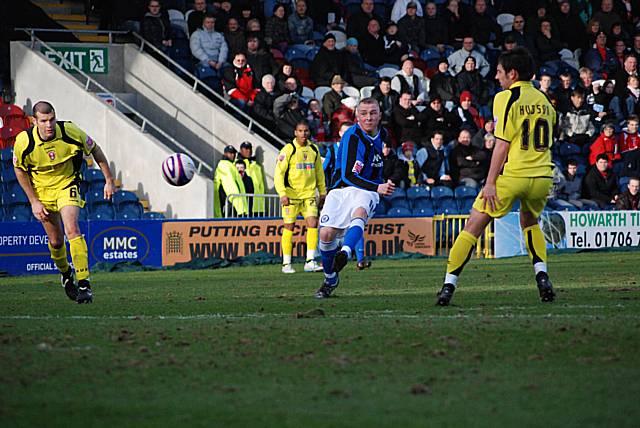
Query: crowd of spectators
x,y
430,65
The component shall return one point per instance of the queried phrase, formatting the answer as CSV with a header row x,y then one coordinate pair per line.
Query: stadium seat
x,y
423,212
83,214
622,183
122,196
103,212
441,192
446,206
341,38
387,72
18,217
465,192
399,212
133,209
19,210
311,53
320,91
505,20
151,215
417,192
365,91
6,158
399,193
297,52
307,92
8,176
128,214
352,92
465,205
568,150
618,167
10,199
94,174
400,203
423,203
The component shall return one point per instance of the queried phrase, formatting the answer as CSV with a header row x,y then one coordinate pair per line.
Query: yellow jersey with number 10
x,y
525,118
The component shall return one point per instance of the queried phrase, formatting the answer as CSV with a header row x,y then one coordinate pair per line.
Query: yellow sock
x,y
537,247
287,245
80,257
59,257
312,242
459,256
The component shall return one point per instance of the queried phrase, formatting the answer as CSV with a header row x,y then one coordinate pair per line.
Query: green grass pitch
x,y
249,346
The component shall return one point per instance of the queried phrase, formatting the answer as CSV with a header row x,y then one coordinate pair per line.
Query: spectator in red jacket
x,y
239,82
606,143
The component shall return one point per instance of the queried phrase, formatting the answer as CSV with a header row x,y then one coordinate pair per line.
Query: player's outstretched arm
x,y
500,152
101,160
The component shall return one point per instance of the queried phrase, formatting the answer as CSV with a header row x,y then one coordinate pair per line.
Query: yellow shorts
x,y
307,207
54,199
532,193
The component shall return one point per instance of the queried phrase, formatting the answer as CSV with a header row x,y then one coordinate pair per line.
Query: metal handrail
x,y
110,33
145,122
252,123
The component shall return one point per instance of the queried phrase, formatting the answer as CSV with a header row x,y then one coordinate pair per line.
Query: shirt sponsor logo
x,y
357,167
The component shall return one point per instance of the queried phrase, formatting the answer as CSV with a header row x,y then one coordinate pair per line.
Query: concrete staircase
x,y
71,14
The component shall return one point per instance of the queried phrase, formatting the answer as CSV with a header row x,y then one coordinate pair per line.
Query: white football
x,y
178,169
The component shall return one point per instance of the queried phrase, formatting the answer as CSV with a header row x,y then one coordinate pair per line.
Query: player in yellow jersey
x,y
521,169
47,160
298,175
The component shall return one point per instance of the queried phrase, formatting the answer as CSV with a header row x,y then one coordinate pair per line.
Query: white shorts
x,y
341,203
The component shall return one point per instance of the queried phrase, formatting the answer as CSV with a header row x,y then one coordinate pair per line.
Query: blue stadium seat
x,y
618,167
399,212
397,194
569,149
93,175
400,203
84,213
151,215
128,214
465,192
130,207
104,212
423,212
14,198
622,183
20,210
297,52
311,54
6,158
122,196
446,206
417,192
423,203
465,205
8,176
18,217
440,192
13,187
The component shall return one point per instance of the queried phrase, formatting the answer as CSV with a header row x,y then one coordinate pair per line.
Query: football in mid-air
x,y
178,169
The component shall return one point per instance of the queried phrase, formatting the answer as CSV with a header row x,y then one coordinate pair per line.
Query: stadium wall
x,y
135,156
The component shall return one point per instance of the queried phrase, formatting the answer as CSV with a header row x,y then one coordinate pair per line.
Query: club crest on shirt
x,y
357,167
52,154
